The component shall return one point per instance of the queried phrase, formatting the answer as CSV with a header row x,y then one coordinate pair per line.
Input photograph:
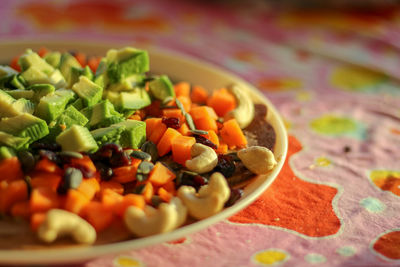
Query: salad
x,y
89,144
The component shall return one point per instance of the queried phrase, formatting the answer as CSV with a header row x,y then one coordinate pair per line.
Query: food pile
x,y
87,142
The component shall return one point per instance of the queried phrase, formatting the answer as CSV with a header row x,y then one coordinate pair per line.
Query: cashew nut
x,y
152,221
209,200
204,159
61,223
244,111
257,159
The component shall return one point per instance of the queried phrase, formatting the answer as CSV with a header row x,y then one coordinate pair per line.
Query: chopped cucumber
x,y
78,139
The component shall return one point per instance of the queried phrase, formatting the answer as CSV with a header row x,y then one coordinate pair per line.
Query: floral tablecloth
x,y
333,75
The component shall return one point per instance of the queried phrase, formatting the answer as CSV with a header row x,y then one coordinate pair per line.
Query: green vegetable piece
x,y
32,75
135,99
102,114
77,138
53,105
68,61
53,58
9,107
6,71
88,91
25,125
21,93
125,62
41,90
14,142
128,84
78,104
57,79
161,88
23,105
6,152
134,135
18,82
69,117
110,134
31,59
77,72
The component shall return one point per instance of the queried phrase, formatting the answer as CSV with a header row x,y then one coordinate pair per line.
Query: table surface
x,y
333,75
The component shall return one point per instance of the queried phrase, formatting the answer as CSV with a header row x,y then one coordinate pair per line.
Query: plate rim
x,y
82,253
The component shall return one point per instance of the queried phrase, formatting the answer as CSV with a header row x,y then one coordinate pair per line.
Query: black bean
x,y
106,173
225,165
140,155
27,161
120,159
107,150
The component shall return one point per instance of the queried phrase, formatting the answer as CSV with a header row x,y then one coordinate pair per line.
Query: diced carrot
x,y
130,200
222,101
206,123
157,133
45,165
153,109
186,102
43,199
222,148
43,51
14,63
98,215
160,175
89,187
112,185
164,194
21,209
126,174
93,63
199,95
45,179
170,187
37,219
213,137
174,113
81,58
165,144
135,117
84,163
16,191
75,201
10,169
184,129
202,111
181,146
148,192
150,125
110,198
182,89
232,134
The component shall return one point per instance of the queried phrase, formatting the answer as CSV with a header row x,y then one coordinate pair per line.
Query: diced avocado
x,y
128,84
100,77
18,82
53,58
66,63
71,116
52,105
88,91
161,87
34,76
7,71
6,152
102,114
110,134
78,104
9,107
23,105
77,72
134,135
31,59
20,93
57,79
25,125
77,138
125,62
41,90
136,99
13,141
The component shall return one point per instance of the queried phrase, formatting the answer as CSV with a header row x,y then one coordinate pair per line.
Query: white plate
x,y
177,67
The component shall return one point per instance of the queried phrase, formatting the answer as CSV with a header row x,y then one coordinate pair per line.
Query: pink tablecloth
x,y
333,76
